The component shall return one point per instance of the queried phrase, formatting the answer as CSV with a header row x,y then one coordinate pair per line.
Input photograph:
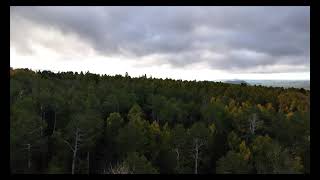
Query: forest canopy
x,y
84,123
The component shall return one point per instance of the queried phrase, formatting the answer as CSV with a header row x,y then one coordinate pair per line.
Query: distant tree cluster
x,y
83,123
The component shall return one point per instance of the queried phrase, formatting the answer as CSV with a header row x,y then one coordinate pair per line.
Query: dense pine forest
x,y
84,123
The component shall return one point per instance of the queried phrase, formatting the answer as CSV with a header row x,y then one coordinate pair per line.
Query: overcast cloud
x,y
230,39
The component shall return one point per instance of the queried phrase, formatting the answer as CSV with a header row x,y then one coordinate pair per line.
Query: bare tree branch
x,y
119,169
68,145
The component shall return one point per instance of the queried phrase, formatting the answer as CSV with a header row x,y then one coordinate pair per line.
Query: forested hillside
x,y
83,123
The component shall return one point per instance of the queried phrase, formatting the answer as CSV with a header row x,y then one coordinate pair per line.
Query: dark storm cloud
x,y
240,38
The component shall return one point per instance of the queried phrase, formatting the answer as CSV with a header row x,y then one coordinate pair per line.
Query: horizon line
x,y
154,77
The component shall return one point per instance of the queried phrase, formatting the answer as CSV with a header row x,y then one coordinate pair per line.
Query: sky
x,y
188,43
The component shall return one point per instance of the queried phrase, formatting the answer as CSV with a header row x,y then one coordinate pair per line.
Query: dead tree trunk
x,y
117,105
254,123
75,150
55,118
29,155
54,124
41,128
178,158
153,116
88,160
196,157
198,143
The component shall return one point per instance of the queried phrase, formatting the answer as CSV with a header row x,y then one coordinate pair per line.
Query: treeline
x,y
83,123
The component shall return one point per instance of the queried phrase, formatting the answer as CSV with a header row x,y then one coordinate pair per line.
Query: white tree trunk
x,y
75,150
29,155
198,143
253,124
178,158
196,157
88,160
55,120
41,128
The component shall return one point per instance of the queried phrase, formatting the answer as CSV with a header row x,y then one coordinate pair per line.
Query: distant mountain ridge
x,y
236,82
305,84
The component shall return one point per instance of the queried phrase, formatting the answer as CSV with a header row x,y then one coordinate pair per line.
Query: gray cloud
x,y
239,38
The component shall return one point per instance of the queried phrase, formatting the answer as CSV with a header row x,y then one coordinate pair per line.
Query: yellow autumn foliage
x,y
244,151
